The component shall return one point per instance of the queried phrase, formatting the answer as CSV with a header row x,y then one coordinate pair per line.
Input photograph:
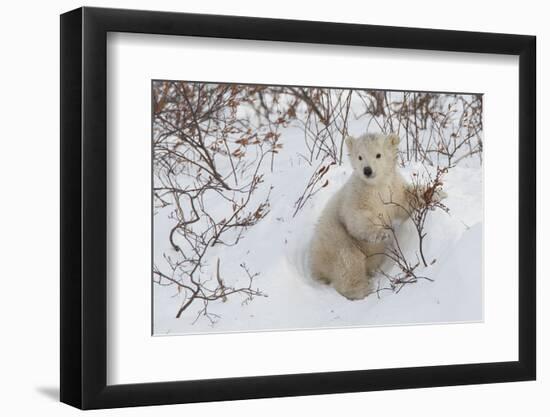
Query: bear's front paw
x,y
378,236
440,195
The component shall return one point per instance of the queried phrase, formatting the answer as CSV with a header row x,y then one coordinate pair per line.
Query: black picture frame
x,y
84,207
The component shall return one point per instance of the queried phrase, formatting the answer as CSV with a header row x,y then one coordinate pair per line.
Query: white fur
x,y
349,239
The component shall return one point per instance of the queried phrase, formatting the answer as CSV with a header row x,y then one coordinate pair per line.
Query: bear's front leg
x,y
378,234
363,226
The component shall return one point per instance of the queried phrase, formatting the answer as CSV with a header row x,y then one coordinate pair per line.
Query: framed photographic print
x,y
256,208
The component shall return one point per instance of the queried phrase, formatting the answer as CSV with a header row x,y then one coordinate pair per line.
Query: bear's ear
x,y
349,142
393,139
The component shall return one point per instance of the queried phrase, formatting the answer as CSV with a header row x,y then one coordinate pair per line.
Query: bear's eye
x,y
360,158
378,156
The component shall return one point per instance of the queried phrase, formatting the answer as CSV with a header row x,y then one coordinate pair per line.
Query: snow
x,y
277,246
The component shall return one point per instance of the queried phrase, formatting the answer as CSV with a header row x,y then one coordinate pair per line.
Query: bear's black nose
x,y
367,171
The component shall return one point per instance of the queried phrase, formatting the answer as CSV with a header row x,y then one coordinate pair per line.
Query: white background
x,y
29,213
133,354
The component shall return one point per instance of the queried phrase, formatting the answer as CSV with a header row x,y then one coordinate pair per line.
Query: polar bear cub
x,y
350,238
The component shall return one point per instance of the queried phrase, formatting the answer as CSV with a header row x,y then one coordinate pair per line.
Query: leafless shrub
x,y
423,197
438,129
325,121
208,291
201,138
314,185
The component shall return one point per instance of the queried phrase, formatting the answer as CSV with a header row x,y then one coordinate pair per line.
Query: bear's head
x,y
373,156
